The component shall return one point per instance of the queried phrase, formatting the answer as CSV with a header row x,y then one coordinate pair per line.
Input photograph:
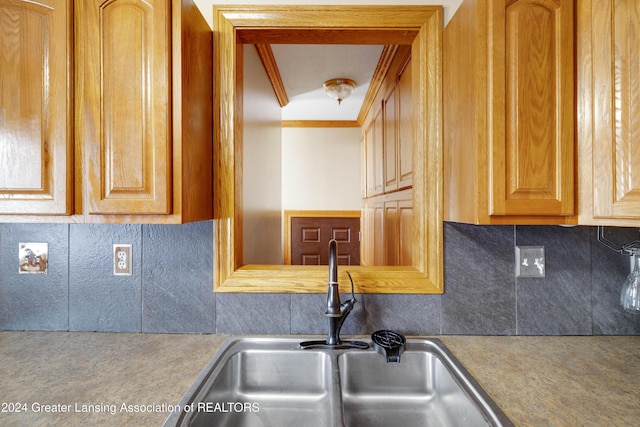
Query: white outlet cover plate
x,y
530,261
122,260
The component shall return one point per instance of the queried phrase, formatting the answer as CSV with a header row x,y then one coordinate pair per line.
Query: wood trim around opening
x,y
420,26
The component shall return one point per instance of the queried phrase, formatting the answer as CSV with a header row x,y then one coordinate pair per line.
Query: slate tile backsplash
x,y
170,290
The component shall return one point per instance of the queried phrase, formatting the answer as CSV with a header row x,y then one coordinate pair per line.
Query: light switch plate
x,y
530,261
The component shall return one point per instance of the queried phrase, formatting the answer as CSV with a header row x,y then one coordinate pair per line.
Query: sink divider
x,y
337,406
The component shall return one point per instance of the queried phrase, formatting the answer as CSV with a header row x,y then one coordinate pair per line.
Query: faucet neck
x,y
333,292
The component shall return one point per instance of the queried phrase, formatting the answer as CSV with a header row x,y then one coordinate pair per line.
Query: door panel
x,y
310,240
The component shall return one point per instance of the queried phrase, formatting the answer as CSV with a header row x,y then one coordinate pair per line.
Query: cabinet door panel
x,y
616,73
35,109
533,145
390,142
373,155
405,129
391,241
405,218
124,91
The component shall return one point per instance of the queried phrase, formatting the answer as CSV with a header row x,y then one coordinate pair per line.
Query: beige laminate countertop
x,y
537,381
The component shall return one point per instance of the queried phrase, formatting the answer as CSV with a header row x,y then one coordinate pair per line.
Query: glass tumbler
x,y
630,294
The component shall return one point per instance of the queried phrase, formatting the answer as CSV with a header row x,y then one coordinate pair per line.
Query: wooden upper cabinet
x,y
123,49
144,110
36,146
609,108
398,128
106,110
532,152
508,77
388,220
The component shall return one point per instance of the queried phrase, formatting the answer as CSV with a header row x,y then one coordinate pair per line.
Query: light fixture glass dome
x,y
339,89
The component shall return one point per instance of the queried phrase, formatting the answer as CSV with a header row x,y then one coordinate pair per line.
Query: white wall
x,y
262,157
321,169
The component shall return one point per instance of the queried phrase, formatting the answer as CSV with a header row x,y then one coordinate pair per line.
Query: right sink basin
x,y
427,387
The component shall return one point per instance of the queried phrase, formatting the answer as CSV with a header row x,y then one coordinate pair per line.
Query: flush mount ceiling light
x,y
339,89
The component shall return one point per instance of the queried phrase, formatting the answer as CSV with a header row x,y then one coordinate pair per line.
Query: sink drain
x,y
389,343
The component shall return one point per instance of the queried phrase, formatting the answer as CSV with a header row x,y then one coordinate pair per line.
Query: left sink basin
x,y
260,382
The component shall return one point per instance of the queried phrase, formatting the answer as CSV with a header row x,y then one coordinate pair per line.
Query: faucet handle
x,y
353,296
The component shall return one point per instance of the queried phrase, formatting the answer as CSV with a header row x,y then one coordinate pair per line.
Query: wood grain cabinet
x,y
142,110
387,219
398,138
609,111
373,151
508,109
36,127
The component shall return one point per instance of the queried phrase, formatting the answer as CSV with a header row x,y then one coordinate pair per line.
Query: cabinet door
x,y
531,93
405,128
405,227
374,146
616,119
398,230
391,240
36,149
122,52
390,141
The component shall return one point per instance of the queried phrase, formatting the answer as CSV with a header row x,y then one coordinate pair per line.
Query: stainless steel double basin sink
x,y
272,382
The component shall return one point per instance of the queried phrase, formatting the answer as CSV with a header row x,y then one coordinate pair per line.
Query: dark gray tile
x,y
355,322
177,278
307,315
253,313
609,269
560,302
406,314
479,290
34,301
98,300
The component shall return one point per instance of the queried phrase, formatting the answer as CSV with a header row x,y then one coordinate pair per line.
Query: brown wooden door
x,y
310,238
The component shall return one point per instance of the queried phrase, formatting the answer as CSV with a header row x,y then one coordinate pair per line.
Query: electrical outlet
x,y
122,261
530,261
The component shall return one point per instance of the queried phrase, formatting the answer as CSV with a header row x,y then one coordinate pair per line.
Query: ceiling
x,y
304,69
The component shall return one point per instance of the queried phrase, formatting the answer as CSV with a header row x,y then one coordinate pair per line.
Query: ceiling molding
x,y
269,63
320,124
386,58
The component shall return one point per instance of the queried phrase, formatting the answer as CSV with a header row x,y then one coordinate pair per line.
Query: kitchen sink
x,y
254,381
